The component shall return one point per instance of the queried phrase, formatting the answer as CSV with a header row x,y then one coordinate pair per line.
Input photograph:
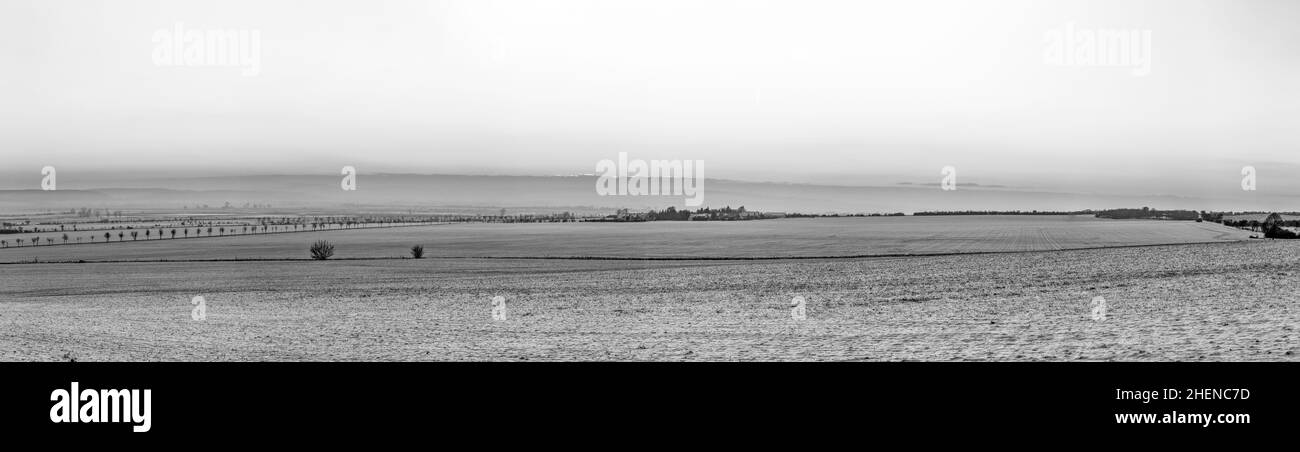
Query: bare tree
x,y
65,239
20,243
135,235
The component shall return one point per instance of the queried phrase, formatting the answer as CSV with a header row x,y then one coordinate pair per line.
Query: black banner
x,y
192,400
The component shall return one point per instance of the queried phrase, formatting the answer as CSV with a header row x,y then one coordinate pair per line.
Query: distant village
x,y
702,214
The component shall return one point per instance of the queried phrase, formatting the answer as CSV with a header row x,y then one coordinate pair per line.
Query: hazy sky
x,y
852,92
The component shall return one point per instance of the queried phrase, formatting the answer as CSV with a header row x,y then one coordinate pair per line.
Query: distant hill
x,y
576,193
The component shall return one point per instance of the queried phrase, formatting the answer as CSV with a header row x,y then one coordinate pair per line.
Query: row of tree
x,y
162,233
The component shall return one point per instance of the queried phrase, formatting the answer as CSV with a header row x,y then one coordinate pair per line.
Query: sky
x,y
835,92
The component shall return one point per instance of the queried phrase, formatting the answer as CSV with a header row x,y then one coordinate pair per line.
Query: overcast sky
x,y
852,92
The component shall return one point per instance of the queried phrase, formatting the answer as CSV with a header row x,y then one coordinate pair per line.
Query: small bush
x,y
417,251
322,250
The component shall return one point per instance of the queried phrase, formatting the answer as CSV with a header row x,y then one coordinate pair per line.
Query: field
x,y
1233,300
810,237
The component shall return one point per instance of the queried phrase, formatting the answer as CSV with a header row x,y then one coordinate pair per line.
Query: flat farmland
x,y
1232,301
799,237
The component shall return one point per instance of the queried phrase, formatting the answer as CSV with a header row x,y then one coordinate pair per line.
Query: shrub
x,y
417,251
322,250
1278,232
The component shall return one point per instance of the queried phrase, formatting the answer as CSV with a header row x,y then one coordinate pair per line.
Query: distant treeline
x,y
1251,212
1002,212
1144,213
1147,213
838,215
